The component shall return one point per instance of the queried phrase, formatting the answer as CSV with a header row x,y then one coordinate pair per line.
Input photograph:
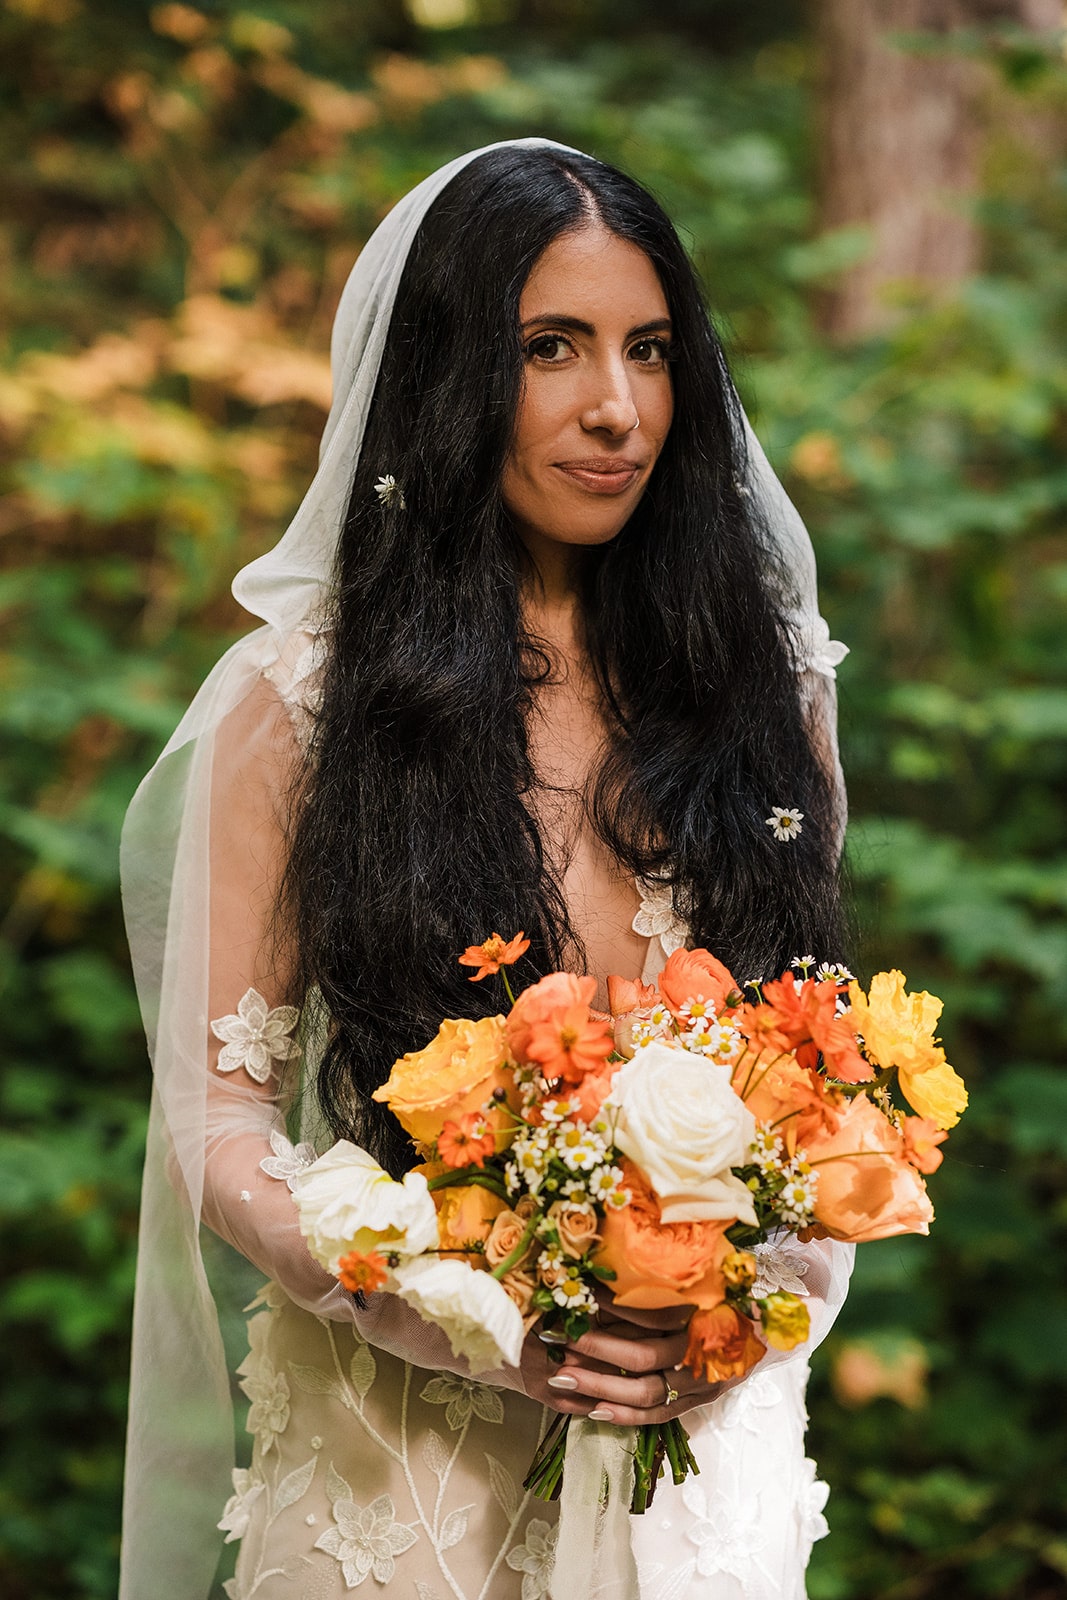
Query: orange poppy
x,y
466,1143
493,953
569,1043
362,1272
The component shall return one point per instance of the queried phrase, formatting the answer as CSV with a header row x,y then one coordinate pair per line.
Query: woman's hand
x,y
622,1371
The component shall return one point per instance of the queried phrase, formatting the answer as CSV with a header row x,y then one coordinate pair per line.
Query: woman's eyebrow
x,y
576,325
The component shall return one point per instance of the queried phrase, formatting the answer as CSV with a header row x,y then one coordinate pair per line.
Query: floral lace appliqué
x,y
367,1539
534,1559
657,917
779,1267
255,1036
460,1397
235,1518
289,1160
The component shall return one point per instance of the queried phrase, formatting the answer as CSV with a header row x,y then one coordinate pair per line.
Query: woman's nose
x,y
610,403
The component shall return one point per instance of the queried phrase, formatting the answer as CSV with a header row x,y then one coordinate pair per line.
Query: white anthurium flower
x,y
680,1122
347,1202
255,1036
289,1160
482,1323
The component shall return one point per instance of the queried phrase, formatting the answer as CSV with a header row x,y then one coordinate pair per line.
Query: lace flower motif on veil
x,y
255,1036
658,917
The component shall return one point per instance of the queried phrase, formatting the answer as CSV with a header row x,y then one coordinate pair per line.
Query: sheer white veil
x,y
181,1428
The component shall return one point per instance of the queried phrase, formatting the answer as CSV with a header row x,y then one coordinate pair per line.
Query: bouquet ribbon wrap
x,y
593,1550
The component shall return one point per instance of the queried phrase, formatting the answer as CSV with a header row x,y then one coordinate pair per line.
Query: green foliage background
x,y
185,191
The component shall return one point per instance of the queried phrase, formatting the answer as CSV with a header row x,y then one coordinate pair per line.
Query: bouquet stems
x,y
657,1442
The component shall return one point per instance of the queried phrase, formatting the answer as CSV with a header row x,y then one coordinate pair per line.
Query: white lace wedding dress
x,y
376,1460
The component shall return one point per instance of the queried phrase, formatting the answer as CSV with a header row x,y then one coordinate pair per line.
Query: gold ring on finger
x,y
672,1394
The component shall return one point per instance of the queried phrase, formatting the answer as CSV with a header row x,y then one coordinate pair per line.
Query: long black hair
x,y
414,834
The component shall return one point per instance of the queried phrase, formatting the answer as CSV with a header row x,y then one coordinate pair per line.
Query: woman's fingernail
x,y
601,1414
563,1381
546,1336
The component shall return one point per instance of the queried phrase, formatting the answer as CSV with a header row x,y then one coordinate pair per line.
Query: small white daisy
x,y
389,492
785,822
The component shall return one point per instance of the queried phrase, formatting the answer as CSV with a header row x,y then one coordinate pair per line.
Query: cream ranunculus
x,y
346,1202
681,1123
482,1322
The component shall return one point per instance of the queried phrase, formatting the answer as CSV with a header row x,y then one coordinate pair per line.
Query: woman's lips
x,y
601,477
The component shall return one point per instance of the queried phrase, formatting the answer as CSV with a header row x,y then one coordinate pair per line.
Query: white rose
x,y
347,1202
483,1323
681,1123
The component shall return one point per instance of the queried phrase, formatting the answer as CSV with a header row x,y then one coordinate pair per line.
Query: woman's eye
x,y
652,352
548,347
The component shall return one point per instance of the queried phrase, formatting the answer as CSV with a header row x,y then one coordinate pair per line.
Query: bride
x,y
541,651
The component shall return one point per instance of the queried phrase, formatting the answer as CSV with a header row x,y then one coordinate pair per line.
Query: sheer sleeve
x,y
252,1059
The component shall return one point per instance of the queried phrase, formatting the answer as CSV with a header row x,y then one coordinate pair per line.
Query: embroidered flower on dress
x,y
657,917
288,1160
812,1495
534,1559
268,1415
727,1534
367,1538
785,822
256,1036
460,1397
238,1513
389,492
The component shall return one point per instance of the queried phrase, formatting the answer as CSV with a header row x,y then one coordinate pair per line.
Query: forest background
x,y
876,196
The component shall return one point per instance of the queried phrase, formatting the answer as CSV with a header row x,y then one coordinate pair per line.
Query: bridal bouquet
x,y
652,1154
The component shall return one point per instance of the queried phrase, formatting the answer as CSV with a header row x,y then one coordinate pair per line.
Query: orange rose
x,y
659,1263
466,1213
519,1287
506,1236
722,1344
867,1188
540,1002
781,1092
576,1226
696,975
456,1073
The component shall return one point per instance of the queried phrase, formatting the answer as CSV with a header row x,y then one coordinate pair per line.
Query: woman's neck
x,y
550,593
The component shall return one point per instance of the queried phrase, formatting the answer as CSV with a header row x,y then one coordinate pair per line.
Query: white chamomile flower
x,y
767,1149
697,1010
785,822
803,963
574,1189
573,1295
389,492
580,1149
797,1199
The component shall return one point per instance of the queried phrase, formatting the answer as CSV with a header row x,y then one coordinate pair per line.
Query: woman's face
x,y
597,402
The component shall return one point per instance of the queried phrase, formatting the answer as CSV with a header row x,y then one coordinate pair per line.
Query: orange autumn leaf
x,y
493,953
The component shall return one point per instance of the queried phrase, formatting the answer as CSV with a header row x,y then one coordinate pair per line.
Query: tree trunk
x,y
901,137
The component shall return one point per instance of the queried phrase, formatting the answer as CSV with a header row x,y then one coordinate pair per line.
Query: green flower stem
x,y
519,1251
483,1178
507,985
